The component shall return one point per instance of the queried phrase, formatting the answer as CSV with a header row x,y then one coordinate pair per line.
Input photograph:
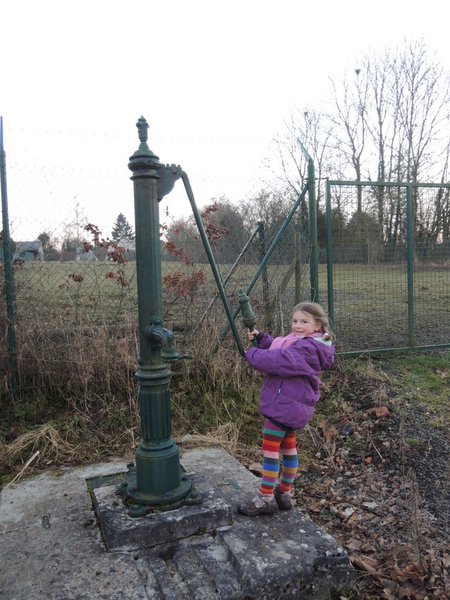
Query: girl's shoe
x,y
283,499
259,505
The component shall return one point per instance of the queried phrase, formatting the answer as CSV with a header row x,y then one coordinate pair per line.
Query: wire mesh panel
x,y
387,266
98,293
238,254
431,258
284,280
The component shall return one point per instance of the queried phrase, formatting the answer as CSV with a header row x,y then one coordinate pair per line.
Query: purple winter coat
x,y
292,385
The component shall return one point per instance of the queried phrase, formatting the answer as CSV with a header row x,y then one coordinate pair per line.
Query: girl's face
x,y
304,324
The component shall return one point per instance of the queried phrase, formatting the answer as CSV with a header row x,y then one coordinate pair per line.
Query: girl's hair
x,y
319,315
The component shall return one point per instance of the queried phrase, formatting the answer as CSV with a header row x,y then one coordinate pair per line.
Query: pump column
x,y
158,481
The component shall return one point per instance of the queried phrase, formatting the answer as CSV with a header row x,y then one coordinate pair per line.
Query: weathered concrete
x,y
52,547
120,531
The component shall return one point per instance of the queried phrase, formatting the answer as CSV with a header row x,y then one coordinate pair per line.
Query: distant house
x,y
129,245
83,256
29,251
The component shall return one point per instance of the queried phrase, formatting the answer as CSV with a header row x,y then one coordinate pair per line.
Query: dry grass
x,y
227,437
79,398
44,443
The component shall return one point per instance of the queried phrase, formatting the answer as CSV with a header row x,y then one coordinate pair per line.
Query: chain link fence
x,y
383,266
388,265
273,269
75,288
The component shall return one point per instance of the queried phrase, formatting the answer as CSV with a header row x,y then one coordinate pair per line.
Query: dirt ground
x,y
380,484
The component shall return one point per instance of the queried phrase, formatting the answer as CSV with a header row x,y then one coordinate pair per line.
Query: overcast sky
x,y
216,81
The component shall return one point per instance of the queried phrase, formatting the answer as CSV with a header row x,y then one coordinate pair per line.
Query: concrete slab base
x,y
52,547
120,531
283,556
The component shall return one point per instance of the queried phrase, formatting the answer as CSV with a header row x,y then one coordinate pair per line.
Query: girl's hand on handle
x,y
251,335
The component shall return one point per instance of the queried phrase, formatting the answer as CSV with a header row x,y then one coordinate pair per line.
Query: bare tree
x,y
383,132
423,92
388,121
391,119
350,123
308,130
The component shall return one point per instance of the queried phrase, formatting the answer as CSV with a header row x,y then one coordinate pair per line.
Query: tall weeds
x,y
78,384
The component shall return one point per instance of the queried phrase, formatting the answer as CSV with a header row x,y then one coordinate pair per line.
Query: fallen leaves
x,y
380,412
375,510
366,563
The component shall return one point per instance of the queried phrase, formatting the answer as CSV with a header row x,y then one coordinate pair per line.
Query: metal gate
x,y
388,265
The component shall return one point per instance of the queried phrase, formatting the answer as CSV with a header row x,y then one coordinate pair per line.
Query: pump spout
x,y
162,339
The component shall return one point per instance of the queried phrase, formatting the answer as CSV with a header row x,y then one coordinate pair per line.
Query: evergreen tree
x,y
44,238
122,229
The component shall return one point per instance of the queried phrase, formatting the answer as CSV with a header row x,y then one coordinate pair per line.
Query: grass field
x,y
373,305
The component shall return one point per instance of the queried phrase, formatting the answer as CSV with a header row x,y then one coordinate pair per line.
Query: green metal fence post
x,y
330,260
298,261
9,274
314,264
159,481
410,262
264,275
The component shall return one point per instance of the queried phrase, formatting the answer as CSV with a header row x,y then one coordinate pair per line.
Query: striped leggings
x,y
278,441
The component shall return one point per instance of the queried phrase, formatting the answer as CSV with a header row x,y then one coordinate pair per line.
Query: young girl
x,y
292,365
